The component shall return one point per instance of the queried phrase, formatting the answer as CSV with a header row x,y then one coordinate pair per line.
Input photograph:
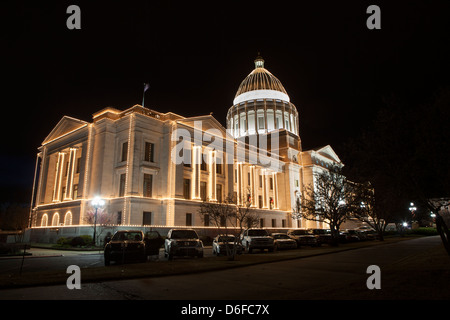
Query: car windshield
x,y
184,234
300,232
281,236
257,233
124,236
226,239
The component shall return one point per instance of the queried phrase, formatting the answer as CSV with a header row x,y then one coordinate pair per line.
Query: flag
x,y
146,86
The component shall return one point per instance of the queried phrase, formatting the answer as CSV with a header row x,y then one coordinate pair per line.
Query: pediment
x,y
328,152
64,126
208,122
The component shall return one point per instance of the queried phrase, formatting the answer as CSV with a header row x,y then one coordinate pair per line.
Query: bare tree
x,y
230,217
104,221
331,199
369,211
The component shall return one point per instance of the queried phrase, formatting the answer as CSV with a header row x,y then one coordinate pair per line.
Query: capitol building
x,y
154,169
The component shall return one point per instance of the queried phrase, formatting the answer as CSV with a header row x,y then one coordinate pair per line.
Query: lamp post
x,y
412,208
96,203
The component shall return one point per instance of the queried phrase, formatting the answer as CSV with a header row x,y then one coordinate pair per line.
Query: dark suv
x,y
183,242
132,245
125,245
304,237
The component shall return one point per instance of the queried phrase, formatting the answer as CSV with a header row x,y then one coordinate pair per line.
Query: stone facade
x,y
128,159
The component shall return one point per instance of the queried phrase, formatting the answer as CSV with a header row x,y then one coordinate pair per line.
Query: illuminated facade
x,y
128,158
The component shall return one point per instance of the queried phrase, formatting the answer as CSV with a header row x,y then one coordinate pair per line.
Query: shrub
x,y
87,239
77,242
64,241
425,231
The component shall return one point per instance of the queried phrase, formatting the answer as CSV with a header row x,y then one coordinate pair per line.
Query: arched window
x,y
68,218
55,219
44,220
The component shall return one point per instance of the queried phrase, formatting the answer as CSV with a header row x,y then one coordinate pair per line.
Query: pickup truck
x,y
257,239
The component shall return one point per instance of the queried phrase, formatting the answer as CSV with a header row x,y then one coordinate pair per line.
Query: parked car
x,y
220,243
362,235
257,239
349,236
371,235
183,242
304,237
153,242
125,245
283,241
324,235
364,228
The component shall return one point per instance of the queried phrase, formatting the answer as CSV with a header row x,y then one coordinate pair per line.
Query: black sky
x,y
194,55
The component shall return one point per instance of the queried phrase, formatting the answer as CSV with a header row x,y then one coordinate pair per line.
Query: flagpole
x,y
146,86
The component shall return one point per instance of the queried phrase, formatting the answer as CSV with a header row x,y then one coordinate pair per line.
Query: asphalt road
x,y
341,275
48,259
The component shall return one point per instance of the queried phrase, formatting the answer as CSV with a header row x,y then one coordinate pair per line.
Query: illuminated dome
x,y
260,84
261,105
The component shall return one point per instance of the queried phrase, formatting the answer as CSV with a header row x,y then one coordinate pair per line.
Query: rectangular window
x,y
148,182
271,184
75,191
63,193
124,151
219,193
188,219
248,178
149,151
223,221
274,223
260,201
260,181
261,123
203,191
119,217
283,223
78,165
203,165
261,223
146,218
187,189
218,168
66,170
122,185
206,220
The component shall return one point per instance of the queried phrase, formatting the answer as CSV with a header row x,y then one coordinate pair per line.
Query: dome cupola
x,y
260,84
261,105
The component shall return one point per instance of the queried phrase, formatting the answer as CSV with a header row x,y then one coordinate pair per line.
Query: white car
x,y
220,243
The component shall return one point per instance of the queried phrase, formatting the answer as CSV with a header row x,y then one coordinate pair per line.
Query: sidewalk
x,y
41,251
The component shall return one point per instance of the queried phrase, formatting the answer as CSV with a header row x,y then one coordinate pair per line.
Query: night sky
x,y
194,55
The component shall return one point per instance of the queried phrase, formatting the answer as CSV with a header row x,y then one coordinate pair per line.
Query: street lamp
x,y
97,203
412,208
